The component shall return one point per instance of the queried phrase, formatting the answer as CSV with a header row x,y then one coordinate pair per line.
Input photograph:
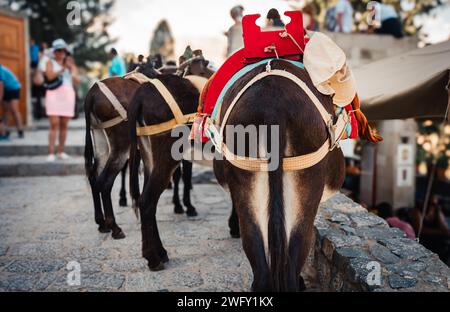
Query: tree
x,y
86,32
162,42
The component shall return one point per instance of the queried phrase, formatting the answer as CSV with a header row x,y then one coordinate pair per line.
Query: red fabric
x,y
255,42
231,66
353,122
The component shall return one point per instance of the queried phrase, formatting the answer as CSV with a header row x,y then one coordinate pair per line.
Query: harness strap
x,y
179,119
163,127
113,99
108,124
335,131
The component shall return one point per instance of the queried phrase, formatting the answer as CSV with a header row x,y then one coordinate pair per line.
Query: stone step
x,y
74,124
26,166
35,144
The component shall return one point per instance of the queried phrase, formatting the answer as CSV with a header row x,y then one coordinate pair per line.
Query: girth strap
x,y
117,106
113,99
335,131
179,119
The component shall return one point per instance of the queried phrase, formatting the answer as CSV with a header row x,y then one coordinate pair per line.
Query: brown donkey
x,y
107,150
149,108
276,209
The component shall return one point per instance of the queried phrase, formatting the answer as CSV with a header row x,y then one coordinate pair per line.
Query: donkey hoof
x,y
301,284
123,202
156,268
235,235
104,229
178,209
191,213
118,235
164,258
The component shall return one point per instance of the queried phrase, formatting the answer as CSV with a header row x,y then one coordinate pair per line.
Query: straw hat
x,y
326,64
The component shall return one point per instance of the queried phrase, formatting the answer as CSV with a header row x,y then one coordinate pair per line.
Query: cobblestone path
x,y
47,222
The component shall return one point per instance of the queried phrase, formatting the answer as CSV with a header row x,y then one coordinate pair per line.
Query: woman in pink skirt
x,y
61,75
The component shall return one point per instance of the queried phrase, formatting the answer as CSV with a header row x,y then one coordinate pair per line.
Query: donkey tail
x,y
135,157
277,240
90,163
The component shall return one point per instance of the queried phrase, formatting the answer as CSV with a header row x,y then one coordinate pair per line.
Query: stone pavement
x,y
27,157
46,222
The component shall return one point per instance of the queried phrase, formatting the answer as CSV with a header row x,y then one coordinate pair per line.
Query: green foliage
x,y
48,21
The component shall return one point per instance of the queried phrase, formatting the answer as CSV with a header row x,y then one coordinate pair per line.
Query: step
x,y
32,166
74,124
35,143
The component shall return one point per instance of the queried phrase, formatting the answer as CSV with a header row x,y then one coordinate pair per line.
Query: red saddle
x,y
256,43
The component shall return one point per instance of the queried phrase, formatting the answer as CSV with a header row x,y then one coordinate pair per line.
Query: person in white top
x,y
344,16
61,76
234,34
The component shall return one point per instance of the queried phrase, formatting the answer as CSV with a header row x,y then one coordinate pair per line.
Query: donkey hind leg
x,y
187,181
233,223
178,208
152,247
101,149
99,218
123,190
107,178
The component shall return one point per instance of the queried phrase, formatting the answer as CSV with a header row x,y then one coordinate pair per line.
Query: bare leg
x,y
63,124
13,107
54,126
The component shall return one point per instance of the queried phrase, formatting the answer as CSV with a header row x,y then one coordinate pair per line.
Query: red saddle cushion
x,y
255,43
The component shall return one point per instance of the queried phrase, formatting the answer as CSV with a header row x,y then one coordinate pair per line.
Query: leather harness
x,y
335,131
140,78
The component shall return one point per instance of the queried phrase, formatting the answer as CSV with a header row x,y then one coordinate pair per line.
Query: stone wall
x,y
352,244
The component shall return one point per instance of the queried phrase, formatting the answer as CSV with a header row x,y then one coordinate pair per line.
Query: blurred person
x,y
34,54
435,234
11,97
344,16
3,134
309,18
390,20
117,67
274,19
132,64
330,19
141,60
234,33
61,75
386,212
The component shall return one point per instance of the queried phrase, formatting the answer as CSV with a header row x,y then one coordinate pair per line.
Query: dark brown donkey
x,y
276,209
107,151
149,108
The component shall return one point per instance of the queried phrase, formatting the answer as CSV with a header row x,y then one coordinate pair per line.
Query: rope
x,y
287,34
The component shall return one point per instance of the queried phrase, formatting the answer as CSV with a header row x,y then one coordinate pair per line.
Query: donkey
x,y
107,151
148,108
276,209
